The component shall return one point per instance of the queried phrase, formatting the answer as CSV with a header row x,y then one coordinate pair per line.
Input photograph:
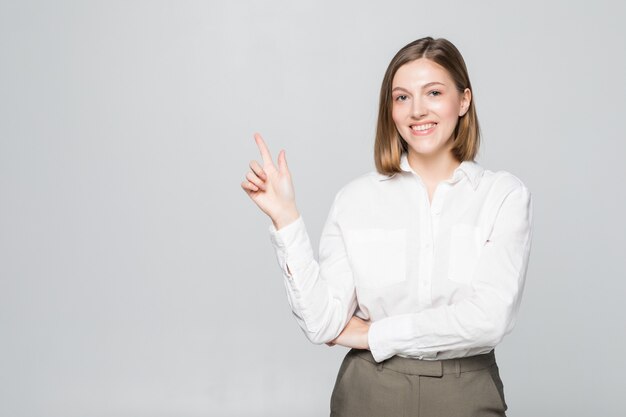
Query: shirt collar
x,y
471,169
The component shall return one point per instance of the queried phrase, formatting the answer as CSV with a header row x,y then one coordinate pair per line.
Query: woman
x,y
422,262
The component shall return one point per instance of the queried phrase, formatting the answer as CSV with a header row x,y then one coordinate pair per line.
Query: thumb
x,y
282,161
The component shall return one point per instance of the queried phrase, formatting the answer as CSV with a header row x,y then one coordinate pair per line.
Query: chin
x,y
425,150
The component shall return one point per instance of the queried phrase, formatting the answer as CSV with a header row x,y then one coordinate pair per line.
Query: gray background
x,y
136,276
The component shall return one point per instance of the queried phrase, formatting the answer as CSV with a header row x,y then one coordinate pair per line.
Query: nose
x,y
418,109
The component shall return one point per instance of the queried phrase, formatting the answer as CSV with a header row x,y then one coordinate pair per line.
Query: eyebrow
x,y
424,86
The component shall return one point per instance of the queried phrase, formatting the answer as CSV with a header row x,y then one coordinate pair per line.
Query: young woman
x,y
422,262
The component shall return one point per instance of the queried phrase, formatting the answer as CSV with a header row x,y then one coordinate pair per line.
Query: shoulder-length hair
x,y
389,144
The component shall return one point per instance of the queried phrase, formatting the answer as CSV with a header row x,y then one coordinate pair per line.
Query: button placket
x,y
434,210
425,298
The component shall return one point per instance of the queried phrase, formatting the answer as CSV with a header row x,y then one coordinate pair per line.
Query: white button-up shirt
x,y
438,280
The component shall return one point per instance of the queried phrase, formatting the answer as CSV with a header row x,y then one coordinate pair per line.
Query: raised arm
x,y
321,294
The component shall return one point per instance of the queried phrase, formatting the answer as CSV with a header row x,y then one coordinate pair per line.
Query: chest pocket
x,y
465,248
377,256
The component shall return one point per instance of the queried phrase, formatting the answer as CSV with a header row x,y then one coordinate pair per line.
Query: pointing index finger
x,y
265,153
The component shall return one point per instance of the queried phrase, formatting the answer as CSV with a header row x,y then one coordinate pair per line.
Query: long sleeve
x,y
488,314
321,294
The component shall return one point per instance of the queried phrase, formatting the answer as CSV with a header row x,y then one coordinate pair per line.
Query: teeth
x,y
423,127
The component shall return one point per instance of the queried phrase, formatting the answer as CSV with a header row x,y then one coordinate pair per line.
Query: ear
x,y
466,99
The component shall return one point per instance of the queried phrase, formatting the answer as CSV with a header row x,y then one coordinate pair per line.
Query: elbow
x,y
325,330
319,336
325,326
496,328
496,318
493,334
314,331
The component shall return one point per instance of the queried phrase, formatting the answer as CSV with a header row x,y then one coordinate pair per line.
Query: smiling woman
x,y
426,92
422,262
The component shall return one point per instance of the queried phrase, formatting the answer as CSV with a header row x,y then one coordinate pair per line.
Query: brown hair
x,y
389,144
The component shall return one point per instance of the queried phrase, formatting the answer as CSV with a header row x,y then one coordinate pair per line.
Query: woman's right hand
x,y
270,186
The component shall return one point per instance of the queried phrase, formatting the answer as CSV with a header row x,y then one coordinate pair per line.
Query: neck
x,y
433,168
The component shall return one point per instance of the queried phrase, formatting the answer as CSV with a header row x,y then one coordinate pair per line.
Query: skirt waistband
x,y
424,367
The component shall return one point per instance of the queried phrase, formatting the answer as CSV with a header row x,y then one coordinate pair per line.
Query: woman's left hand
x,y
354,335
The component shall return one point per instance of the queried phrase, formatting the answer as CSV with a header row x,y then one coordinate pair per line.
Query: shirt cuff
x,y
397,335
377,339
287,234
292,245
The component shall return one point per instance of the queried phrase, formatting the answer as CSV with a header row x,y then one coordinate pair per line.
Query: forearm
x,y
322,310
460,326
354,335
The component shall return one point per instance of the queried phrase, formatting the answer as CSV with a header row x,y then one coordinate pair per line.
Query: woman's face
x,y
426,107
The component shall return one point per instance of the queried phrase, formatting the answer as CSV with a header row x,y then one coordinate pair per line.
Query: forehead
x,y
419,72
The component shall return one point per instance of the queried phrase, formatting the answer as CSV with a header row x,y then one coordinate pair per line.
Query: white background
x,y
136,276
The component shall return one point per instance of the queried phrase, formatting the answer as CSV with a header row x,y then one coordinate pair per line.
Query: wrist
x,y
286,218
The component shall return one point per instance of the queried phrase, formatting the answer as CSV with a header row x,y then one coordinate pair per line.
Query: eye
x,y
438,93
401,97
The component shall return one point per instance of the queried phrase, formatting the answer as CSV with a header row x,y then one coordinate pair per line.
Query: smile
x,y
424,129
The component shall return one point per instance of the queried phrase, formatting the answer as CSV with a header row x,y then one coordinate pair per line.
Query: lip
x,y
423,132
